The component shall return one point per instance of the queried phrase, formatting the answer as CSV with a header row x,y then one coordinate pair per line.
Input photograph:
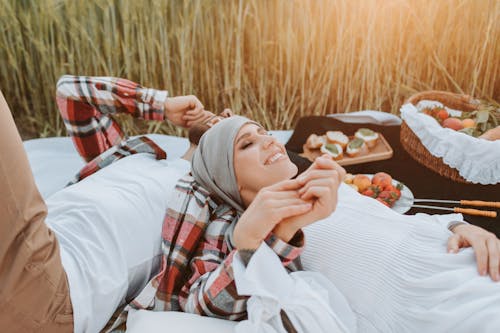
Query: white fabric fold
x,y
311,302
144,321
444,220
368,116
54,161
476,160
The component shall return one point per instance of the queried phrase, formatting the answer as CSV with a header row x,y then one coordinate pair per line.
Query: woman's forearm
x,y
285,231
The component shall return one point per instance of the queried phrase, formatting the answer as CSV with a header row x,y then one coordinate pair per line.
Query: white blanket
x,y
54,161
381,261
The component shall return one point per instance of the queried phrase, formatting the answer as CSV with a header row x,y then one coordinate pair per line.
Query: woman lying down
x,y
232,230
241,207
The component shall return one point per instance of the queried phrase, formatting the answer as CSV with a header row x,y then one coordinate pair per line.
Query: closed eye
x,y
251,136
246,144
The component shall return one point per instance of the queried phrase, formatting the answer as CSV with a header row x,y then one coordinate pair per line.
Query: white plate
x,y
404,203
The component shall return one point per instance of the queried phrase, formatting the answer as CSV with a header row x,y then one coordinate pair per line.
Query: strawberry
x,y
389,197
442,114
435,111
383,201
393,189
375,188
372,191
369,193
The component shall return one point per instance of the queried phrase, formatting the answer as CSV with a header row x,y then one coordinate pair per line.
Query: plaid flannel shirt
x,y
87,104
196,274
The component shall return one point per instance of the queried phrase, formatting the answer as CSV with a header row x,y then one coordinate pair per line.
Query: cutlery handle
x,y
479,203
477,212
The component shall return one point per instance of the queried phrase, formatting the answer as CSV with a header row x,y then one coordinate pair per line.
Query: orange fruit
x,y
468,123
453,123
382,179
362,182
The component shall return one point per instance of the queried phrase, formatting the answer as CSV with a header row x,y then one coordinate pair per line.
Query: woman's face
x,y
259,161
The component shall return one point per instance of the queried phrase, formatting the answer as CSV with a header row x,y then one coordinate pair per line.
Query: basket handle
x,y
449,99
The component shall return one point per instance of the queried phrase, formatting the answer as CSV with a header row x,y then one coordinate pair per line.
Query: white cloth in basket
x,y
476,160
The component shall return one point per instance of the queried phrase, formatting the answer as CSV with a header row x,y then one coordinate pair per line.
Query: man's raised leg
x,y
34,294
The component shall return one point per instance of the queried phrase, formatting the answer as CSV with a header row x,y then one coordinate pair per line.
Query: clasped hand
x,y
185,111
289,205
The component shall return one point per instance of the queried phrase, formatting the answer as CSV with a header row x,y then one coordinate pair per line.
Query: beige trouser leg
x,y
34,294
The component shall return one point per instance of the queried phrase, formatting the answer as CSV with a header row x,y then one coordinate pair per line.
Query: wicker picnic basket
x,y
411,143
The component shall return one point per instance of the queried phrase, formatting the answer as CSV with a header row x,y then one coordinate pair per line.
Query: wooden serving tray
x,y
382,151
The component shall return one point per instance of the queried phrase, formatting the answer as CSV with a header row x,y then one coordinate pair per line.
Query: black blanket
x,y
423,182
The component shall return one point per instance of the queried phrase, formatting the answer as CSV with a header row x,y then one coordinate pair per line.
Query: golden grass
x,y
274,61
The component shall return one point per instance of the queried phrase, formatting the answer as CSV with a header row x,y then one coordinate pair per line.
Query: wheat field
x,y
274,61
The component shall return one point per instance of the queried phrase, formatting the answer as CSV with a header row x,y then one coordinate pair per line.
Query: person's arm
x,y
288,252
109,95
485,244
211,289
86,103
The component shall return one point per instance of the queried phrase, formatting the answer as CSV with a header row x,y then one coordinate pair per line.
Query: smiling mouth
x,y
274,158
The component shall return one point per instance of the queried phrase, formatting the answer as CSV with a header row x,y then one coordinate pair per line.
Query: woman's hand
x,y
319,185
271,205
485,244
185,110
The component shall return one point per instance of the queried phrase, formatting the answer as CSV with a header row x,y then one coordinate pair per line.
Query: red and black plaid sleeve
x,y
87,103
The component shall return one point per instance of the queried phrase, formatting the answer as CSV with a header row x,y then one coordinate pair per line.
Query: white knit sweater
x,y
395,271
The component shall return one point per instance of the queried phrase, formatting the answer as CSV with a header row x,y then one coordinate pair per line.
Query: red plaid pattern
x,y
87,104
196,274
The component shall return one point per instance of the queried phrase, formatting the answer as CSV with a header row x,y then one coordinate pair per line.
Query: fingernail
x,y
483,273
